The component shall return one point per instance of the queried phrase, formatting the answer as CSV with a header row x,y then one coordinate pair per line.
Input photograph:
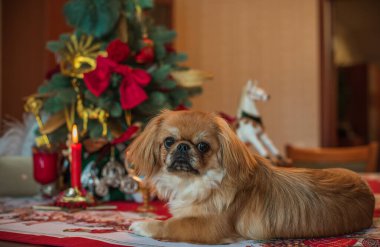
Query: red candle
x,y
76,159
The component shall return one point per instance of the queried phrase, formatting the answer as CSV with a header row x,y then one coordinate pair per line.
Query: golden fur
x,y
238,195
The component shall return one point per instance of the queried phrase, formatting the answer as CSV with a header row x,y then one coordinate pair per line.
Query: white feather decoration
x,y
18,138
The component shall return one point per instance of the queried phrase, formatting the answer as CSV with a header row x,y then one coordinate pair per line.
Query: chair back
x,y
358,158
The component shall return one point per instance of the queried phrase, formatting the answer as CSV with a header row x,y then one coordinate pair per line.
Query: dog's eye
x,y
168,142
203,147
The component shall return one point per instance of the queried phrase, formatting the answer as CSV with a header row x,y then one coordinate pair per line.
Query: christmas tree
x,y
117,68
116,71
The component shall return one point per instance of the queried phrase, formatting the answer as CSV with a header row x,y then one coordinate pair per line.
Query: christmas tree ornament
x,y
113,171
101,188
190,78
130,184
79,57
86,113
34,105
118,51
146,54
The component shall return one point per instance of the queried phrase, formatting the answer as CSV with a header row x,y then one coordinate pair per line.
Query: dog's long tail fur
x,y
296,203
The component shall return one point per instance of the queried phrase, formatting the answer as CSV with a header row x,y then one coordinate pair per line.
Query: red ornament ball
x,y
118,51
146,54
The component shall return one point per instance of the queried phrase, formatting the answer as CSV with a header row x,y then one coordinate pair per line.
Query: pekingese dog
x,y
219,192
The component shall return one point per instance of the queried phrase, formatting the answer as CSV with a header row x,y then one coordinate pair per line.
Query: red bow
x,y
131,93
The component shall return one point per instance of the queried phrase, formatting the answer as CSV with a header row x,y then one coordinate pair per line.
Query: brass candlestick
x,y
74,198
142,187
145,207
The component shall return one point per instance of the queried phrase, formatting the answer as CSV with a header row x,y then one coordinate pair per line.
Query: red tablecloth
x,y
160,207
367,238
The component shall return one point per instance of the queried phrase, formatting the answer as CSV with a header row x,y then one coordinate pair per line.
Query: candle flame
x,y
74,134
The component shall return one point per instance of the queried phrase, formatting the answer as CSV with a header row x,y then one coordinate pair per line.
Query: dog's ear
x,y
144,151
233,154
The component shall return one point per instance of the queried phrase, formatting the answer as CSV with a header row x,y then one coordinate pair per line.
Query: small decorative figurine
x,y
33,105
133,183
250,128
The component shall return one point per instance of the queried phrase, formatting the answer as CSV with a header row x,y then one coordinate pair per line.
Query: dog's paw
x,y
145,228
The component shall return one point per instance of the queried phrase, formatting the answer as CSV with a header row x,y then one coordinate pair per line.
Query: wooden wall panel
x,y
23,45
276,42
1,58
27,26
55,25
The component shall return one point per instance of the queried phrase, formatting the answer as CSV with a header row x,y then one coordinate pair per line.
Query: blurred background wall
x,y
275,42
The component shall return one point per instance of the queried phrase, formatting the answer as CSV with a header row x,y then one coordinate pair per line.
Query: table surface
x,y
20,223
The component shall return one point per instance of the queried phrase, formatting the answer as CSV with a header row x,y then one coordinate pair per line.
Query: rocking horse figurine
x,y
250,128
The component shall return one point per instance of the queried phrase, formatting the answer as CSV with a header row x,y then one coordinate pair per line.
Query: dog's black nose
x,y
183,147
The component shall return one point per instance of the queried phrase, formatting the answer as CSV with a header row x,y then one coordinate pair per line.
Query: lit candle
x,y
76,159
